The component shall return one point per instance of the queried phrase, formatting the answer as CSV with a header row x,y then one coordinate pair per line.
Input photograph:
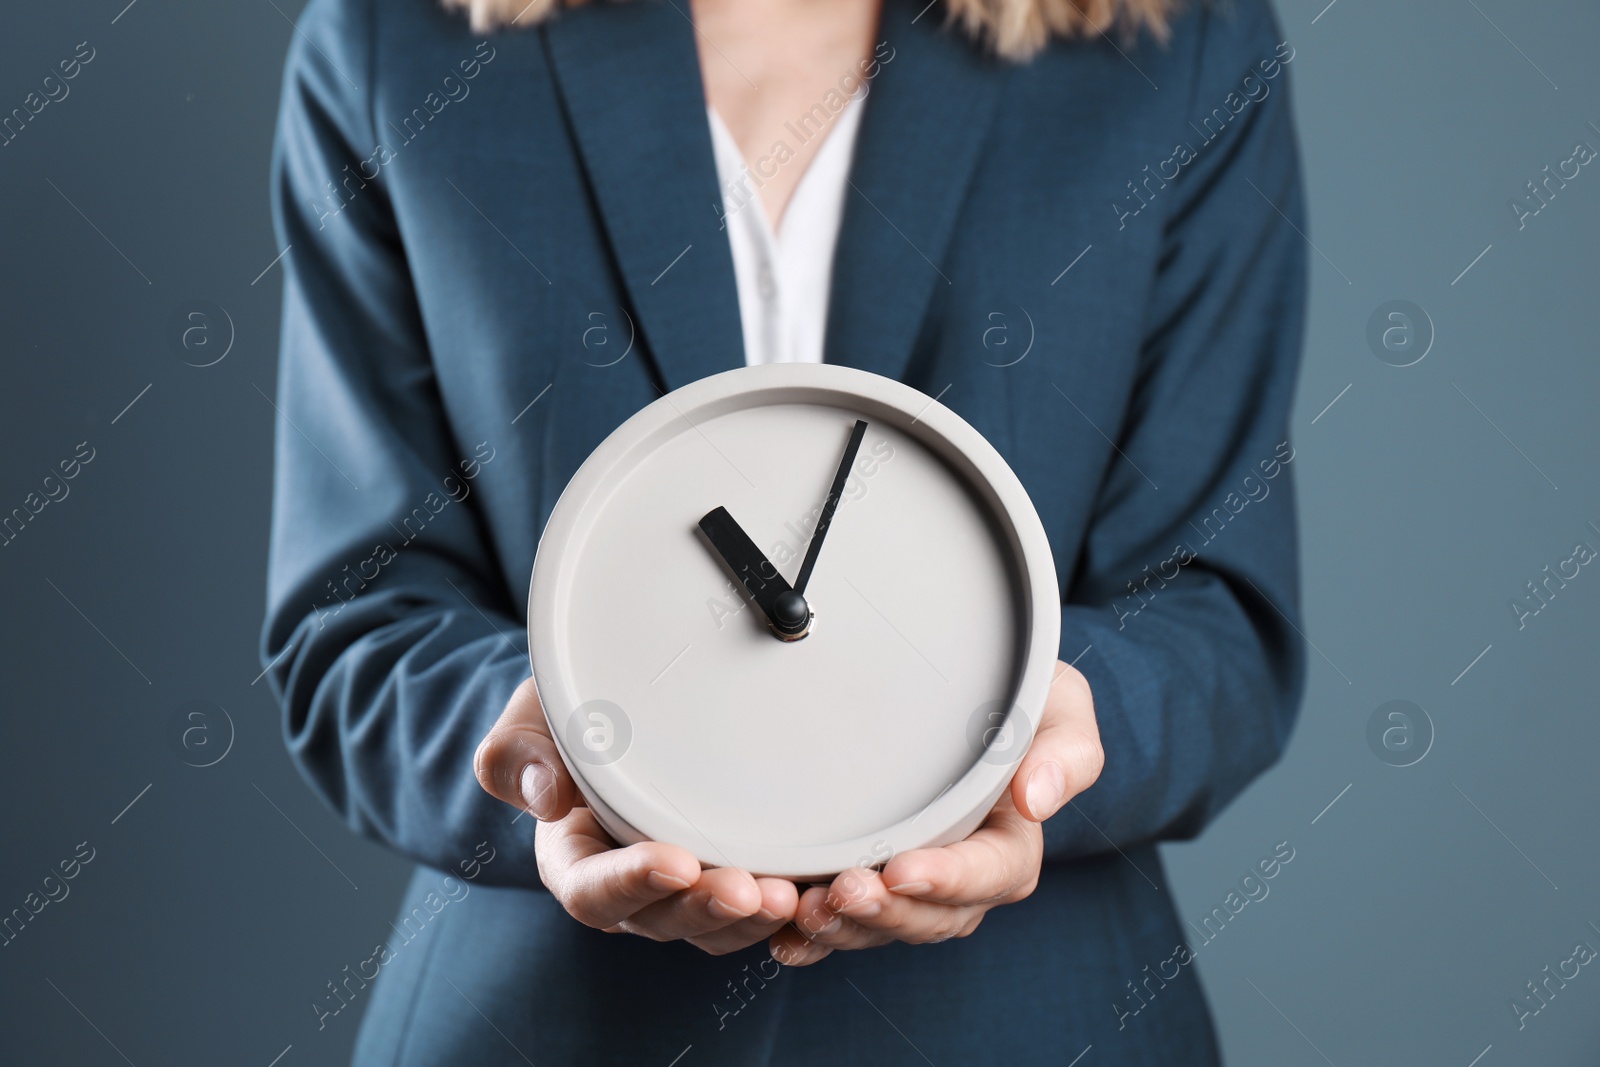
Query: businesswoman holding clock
x,y
511,225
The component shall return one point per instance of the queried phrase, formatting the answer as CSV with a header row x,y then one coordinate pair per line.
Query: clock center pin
x,y
791,615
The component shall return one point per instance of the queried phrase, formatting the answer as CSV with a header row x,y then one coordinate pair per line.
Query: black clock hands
x,y
830,505
785,609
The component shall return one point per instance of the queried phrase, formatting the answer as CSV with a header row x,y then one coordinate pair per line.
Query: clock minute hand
x,y
830,505
784,608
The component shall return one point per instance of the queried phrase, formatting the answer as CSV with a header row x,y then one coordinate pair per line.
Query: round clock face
x,y
732,665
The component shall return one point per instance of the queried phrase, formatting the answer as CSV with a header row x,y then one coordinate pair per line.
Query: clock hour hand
x,y
785,609
830,505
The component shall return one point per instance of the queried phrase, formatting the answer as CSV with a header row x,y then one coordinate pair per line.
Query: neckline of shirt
x,y
784,274
839,138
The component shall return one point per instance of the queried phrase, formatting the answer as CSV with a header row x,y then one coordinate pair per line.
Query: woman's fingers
x,y
872,912
736,937
920,897
820,924
656,891
791,949
601,885
720,898
1065,756
659,891
778,900
999,863
799,943
518,763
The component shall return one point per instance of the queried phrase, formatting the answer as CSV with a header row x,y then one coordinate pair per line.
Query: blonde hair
x,y
1012,29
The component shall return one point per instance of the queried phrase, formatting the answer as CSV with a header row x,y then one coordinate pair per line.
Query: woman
x,y
502,246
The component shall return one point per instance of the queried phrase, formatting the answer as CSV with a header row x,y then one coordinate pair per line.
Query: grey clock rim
x,y
958,810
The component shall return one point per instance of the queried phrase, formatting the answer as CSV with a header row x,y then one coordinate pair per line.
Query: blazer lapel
x,y
629,79
927,114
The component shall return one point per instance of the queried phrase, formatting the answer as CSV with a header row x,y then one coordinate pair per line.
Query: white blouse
x,y
783,278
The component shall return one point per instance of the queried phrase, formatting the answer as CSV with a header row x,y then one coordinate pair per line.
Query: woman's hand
x,y
933,894
650,889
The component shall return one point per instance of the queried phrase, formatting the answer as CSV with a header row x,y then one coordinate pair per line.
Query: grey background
x,y
1418,903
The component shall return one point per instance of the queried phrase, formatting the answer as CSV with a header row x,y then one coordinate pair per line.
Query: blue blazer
x,y
499,250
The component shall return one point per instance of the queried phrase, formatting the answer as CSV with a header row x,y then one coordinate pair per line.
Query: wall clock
x,y
793,618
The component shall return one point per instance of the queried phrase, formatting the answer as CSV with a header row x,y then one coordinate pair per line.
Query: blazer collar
x,y
927,115
629,79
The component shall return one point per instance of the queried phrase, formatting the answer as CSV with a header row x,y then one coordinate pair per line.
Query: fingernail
x,y
723,911
665,883
1046,787
856,907
538,789
911,889
766,916
865,909
832,928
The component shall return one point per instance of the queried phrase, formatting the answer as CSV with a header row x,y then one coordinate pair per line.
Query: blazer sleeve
x,y
390,636
1182,606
